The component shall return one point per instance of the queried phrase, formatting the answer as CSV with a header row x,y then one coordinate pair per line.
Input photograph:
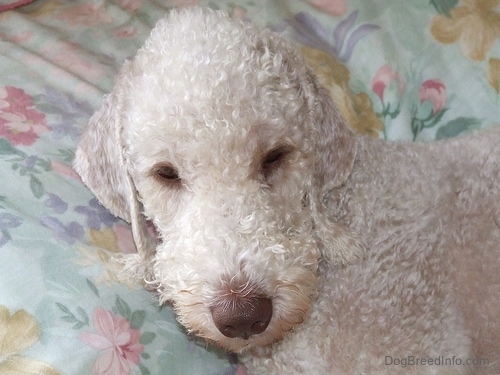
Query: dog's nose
x,y
244,317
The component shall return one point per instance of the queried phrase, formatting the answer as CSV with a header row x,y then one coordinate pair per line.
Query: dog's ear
x,y
100,161
334,155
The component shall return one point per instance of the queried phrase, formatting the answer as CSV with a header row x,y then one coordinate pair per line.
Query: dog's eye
x,y
166,173
273,160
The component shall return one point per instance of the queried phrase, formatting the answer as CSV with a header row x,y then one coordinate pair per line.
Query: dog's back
x,y
430,215
473,232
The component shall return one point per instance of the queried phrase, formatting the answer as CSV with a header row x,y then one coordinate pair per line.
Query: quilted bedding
x,y
401,70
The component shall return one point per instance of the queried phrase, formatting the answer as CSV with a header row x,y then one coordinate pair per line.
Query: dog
x,y
284,236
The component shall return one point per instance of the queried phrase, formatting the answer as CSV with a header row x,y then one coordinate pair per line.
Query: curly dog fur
x,y
283,235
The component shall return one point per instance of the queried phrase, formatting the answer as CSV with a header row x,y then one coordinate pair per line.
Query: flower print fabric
x,y
475,24
118,342
18,332
435,91
20,122
434,77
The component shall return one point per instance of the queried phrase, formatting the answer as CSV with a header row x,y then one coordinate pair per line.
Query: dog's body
x,y
284,236
429,285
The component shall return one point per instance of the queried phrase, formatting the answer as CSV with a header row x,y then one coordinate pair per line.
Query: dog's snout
x,y
243,317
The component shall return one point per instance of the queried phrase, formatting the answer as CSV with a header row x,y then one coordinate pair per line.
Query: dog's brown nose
x,y
243,317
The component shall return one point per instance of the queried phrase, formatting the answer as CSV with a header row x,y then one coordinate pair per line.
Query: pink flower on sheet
x,y
15,98
118,342
65,169
131,6
333,7
435,91
20,123
125,32
383,78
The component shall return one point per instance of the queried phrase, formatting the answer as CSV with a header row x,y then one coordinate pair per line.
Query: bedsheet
x,y
400,70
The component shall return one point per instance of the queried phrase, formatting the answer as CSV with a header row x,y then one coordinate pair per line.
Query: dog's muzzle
x,y
242,317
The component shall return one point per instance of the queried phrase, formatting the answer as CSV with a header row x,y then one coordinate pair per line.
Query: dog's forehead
x,y
190,138
209,92
201,130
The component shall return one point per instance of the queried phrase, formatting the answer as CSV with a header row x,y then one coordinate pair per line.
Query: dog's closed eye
x,y
273,160
167,174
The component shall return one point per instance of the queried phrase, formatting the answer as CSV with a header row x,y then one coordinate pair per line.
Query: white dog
x,y
284,236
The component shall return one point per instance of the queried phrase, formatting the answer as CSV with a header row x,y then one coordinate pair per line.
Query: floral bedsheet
x,y
401,70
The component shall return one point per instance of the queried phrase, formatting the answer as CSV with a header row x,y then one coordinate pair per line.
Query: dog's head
x,y
219,134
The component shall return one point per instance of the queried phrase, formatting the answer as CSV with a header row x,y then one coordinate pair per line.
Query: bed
x,y
400,70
